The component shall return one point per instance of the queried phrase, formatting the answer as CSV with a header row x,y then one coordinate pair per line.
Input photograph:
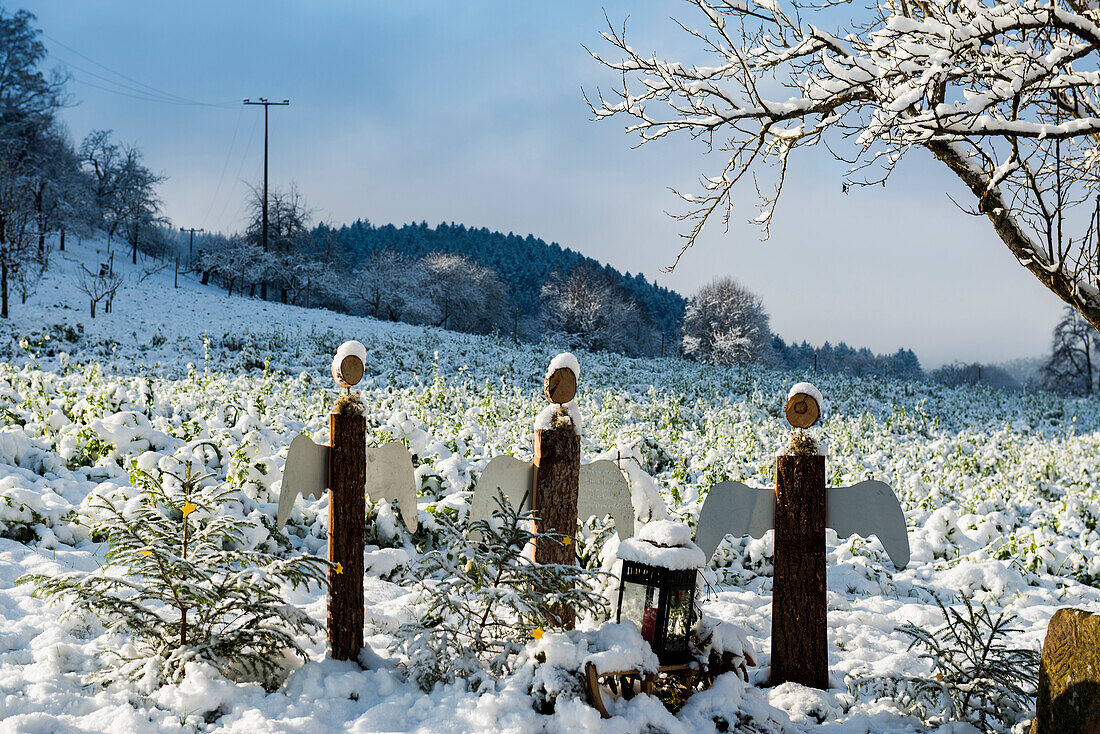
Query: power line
x,y
141,98
153,94
225,167
240,168
138,91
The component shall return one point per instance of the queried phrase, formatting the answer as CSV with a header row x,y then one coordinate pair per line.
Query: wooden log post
x,y
1068,697
800,651
347,513
557,481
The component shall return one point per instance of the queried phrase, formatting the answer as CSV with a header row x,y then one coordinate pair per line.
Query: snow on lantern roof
x,y
663,544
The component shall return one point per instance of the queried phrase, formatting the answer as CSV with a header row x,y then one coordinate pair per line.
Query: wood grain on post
x,y
557,479
800,651
802,411
346,519
560,386
348,372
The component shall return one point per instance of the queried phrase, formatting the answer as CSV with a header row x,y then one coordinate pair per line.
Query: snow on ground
x,y
998,489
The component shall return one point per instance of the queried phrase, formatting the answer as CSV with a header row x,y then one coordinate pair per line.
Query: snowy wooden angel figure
x,y
389,469
799,509
557,485
867,508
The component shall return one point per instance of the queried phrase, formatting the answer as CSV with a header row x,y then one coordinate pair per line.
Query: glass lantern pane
x,y
679,619
640,607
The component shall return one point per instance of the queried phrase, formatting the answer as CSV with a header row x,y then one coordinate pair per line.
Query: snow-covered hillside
x,y
998,489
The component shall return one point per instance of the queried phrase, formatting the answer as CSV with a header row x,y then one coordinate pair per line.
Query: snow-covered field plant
x,y
999,492
481,599
975,677
182,578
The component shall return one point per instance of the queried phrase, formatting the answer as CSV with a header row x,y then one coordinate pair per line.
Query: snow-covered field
x,y
998,491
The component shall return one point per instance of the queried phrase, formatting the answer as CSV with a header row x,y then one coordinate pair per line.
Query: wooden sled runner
x,y
673,684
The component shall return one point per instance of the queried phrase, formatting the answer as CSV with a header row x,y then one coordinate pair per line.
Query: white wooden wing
x,y
305,473
604,491
869,508
505,474
732,508
390,476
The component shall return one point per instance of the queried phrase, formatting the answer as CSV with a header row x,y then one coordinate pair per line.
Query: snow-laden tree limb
x,y
1003,92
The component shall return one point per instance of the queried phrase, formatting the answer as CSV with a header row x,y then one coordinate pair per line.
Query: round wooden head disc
x,y
802,411
348,372
561,386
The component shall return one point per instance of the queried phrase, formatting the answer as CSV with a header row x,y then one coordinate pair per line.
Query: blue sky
x,y
472,112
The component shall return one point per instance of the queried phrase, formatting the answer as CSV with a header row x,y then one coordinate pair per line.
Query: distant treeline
x,y
902,364
473,279
525,264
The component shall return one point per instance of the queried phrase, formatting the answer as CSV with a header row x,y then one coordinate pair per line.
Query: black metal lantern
x,y
657,587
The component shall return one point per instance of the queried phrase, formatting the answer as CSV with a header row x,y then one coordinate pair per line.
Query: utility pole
x,y
191,247
263,227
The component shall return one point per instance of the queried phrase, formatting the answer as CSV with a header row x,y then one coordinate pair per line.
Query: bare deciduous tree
x,y
28,274
99,285
463,295
1073,362
233,260
138,205
102,160
391,286
288,233
123,189
725,324
1006,95
589,311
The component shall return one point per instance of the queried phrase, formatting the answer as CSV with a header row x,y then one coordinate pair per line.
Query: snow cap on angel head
x,y
355,373
567,361
352,347
663,544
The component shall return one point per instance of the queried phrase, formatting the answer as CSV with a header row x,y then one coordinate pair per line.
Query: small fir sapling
x,y
180,580
976,678
481,602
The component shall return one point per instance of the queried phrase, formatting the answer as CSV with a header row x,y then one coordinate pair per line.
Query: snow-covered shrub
x,y
557,660
179,577
722,645
481,600
975,677
88,450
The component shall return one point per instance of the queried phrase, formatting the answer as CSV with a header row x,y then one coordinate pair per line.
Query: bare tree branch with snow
x,y
1003,93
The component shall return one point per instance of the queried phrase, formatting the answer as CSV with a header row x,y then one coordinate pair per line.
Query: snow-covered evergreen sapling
x,y
180,579
976,677
481,601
